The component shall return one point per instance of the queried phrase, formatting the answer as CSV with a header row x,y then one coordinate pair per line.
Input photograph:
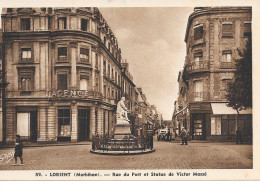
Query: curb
x,y
121,154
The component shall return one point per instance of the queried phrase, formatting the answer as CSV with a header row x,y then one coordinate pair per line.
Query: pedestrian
x,y
18,150
183,136
238,136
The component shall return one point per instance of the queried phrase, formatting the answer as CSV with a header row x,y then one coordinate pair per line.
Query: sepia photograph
x,y
127,92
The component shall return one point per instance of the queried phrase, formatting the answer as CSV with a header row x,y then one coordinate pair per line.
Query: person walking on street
x,y
183,135
238,136
18,150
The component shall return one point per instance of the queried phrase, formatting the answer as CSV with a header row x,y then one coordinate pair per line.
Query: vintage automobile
x,y
164,135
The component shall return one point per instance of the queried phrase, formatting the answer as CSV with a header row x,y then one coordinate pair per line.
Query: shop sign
x,y
68,93
200,107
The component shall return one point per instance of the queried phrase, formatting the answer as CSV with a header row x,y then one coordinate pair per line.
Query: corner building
x,y
64,74
213,36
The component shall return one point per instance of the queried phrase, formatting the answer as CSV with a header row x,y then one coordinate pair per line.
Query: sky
x,y
152,42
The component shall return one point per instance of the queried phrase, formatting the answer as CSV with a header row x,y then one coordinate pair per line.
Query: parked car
x,y
164,135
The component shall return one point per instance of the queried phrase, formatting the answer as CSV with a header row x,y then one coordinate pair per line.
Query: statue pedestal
x,y
122,129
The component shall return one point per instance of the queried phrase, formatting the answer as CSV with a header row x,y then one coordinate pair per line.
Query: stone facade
x,y
213,36
64,72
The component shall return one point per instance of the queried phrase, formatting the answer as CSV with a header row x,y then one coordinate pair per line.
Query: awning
x,y
223,109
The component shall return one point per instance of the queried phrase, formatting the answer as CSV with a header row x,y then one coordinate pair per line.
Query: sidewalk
x,y
47,144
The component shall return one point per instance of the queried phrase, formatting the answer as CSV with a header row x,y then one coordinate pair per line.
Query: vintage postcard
x,y
124,90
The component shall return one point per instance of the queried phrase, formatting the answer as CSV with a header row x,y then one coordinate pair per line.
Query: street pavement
x,y
195,155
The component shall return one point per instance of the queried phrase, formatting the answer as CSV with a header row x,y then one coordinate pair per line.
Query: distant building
x,y
212,38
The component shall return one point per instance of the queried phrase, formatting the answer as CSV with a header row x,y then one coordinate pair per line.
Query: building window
x,y
26,53
62,23
108,92
25,24
198,32
96,60
116,77
228,125
215,125
62,53
112,73
247,29
104,67
84,54
64,129
227,56
62,82
84,24
108,45
198,90
105,91
108,68
197,60
83,83
227,30
224,84
26,81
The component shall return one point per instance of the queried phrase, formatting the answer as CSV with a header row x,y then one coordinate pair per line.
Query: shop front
x,y
198,120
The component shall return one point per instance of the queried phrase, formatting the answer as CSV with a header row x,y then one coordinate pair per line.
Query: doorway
x,y
83,124
27,125
198,127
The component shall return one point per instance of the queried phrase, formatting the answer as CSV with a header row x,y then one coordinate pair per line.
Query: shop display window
x,y
64,128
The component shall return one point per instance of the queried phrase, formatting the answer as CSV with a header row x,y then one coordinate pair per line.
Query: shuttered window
x,y
227,30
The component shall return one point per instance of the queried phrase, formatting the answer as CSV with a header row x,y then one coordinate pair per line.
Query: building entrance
x,y
27,125
83,124
198,127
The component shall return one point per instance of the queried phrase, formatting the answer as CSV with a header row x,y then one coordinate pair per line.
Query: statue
x,y
122,110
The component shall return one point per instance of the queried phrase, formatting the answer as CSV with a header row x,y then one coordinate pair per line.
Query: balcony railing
x,y
198,66
200,96
227,65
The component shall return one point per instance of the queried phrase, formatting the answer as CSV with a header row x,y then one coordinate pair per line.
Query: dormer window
x,y
25,24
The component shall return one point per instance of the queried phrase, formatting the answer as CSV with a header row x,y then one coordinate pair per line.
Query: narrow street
x,y
195,155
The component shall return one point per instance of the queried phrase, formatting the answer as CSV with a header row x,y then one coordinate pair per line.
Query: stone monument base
x,y
122,130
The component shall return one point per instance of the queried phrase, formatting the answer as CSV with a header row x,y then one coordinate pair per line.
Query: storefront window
x,y
198,127
215,125
64,129
228,125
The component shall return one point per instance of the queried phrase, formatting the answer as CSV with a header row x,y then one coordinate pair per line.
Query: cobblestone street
x,y
196,155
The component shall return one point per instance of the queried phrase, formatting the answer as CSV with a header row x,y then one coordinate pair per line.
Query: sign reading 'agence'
x,y
68,93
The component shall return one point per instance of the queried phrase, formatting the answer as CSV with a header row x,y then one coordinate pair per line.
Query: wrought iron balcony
x,y
198,66
227,65
200,96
